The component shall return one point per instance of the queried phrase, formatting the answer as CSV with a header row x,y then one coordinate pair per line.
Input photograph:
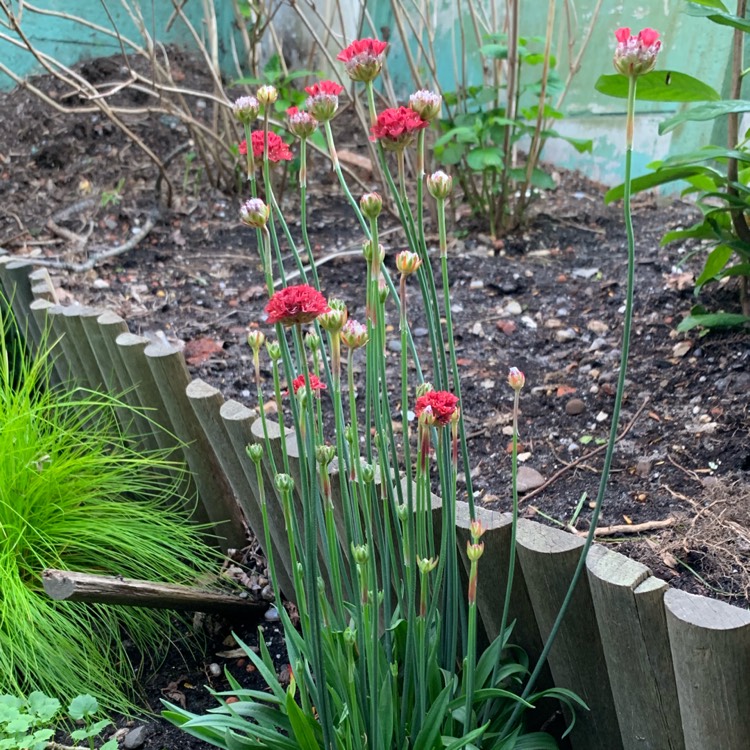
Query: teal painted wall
x,y
692,45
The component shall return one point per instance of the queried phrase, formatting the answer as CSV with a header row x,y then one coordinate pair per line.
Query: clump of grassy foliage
x,y
75,495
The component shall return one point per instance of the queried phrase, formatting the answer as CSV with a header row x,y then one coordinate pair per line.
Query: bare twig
x,y
629,528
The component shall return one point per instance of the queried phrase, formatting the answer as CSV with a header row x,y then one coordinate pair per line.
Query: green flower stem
x,y
470,661
626,327
303,210
452,353
279,411
339,612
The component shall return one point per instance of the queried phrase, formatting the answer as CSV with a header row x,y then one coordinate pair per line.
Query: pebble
x,y
574,407
565,334
394,345
100,284
602,416
597,326
477,329
529,322
476,284
573,447
267,593
214,669
553,323
585,273
597,344
420,331
643,467
529,479
272,615
513,308
136,737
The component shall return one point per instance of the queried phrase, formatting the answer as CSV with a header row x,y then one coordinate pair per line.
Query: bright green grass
x,y
74,495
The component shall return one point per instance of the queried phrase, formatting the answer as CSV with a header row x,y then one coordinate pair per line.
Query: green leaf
x,y
705,112
466,740
498,51
715,262
713,320
658,86
708,153
717,4
480,159
433,721
723,19
302,724
741,269
581,145
42,706
659,177
82,706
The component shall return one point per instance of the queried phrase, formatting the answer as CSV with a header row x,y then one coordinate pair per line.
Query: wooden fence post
x,y
170,373
207,403
14,277
710,643
633,631
548,558
41,312
238,421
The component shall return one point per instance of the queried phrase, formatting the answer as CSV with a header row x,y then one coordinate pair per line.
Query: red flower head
x,y
316,384
395,128
323,100
277,149
636,55
442,406
363,59
296,305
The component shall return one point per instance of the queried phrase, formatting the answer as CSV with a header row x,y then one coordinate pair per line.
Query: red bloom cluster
x,y
362,47
442,405
395,127
325,87
296,305
277,149
636,55
316,384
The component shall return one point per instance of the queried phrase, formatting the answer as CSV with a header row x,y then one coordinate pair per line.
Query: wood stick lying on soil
x,y
86,587
629,528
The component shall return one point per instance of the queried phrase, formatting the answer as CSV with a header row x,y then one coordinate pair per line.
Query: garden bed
x,y
547,300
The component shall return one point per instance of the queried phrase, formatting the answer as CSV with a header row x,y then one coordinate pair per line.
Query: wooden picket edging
x,y
660,669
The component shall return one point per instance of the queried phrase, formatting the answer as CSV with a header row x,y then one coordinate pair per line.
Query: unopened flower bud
x,y
516,379
301,123
383,291
402,512
333,320
426,104
367,252
371,205
335,303
245,109
476,530
256,339
636,55
350,636
350,435
426,565
255,452
474,551
312,341
354,334
255,213
324,454
267,95
440,185
360,553
424,388
407,262
284,483
368,472
274,350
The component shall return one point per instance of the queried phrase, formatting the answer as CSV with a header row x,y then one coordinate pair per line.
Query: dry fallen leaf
x,y
682,348
198,351
349,157
565,390
679,280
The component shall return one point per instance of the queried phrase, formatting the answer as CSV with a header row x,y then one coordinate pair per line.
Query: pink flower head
x,y
442,406
354,334
316,384
301,123
426,104
363,59
396,127
323,99
277,149
636,55
295,305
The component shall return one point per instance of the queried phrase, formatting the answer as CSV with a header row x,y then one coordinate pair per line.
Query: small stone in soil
x,y
272,615
214,669
574,407
529,322
601,416
565,334
136,737
529,479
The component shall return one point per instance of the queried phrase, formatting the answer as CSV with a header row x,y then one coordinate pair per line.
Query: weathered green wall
x,y
692,45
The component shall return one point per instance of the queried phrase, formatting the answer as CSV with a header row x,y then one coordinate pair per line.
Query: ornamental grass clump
x,y
75,496
387,653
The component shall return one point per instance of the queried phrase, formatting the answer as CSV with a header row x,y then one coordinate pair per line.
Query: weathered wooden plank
x,y
548,558
14,277
238,422
73,314
171,375
710,643
66,585
60,367
42,286
646,700
493,580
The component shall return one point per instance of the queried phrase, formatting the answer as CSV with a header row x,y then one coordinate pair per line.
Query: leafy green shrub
x,y
74,495
29,723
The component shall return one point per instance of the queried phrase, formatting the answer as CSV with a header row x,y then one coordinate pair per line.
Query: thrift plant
x,y
387,653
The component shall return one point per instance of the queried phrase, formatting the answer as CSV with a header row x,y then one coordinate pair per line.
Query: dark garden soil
x,y
548,299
